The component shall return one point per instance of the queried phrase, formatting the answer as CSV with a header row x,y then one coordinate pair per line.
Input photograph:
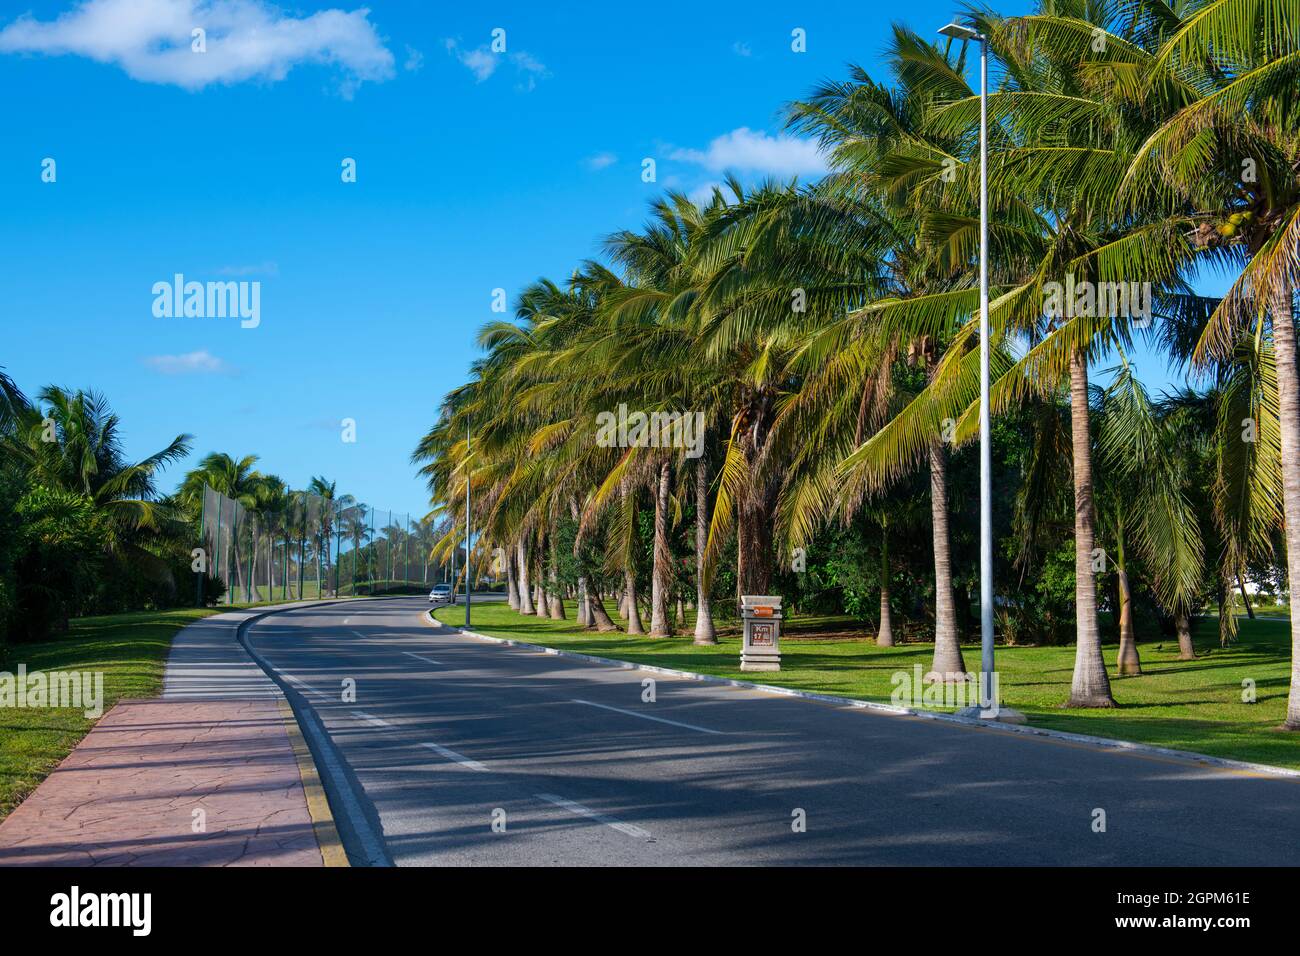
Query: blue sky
x,y
475,171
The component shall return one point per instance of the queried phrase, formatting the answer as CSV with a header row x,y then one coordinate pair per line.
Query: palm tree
x,y
70,442
1236,66
85,457
1146,474
330,503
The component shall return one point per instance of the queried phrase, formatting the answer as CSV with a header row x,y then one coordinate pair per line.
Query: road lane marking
x,y
371,718
633,713
360,635
422,657
579,810
305,686
459,758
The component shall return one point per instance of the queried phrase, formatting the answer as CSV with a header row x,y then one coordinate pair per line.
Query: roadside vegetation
x,y
84,531
774,390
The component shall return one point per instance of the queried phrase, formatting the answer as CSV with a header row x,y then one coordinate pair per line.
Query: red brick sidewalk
x,y
126,795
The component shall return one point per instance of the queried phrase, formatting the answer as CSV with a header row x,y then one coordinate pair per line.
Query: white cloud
x,y
201,362
600,161
741,48
745,150
482,62
530,70
245,40
414,60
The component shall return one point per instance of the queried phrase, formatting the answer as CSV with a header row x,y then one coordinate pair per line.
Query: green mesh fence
x,y
315,547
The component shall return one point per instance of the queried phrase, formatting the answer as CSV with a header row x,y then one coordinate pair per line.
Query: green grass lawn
x,y
129,648
1188,705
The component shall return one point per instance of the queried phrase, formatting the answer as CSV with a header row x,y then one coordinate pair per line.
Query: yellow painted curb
x,y
322,818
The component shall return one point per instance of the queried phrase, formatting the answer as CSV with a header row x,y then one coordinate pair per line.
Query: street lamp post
x,y
469,583
988,704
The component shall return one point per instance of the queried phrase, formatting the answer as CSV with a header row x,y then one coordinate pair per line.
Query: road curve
x,y
468,752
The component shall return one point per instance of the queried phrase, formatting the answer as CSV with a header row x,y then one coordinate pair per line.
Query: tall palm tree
x,y
1225,164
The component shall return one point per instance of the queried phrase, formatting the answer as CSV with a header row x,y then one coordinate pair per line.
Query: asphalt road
x,y
448,734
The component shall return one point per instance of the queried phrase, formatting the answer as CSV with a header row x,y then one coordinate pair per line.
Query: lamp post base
x,y
1003,715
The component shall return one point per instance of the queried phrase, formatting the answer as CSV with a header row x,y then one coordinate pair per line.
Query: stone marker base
x,y
1005,715
760,664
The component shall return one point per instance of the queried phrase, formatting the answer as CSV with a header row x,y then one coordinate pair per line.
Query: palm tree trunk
x,y
704,632
525,598
633,611
885,633
584,605
539,575
948,664
555,600
1245,598
512,590
661,624
1090,686
753,552
599,616
1183,622
1288,393
1128,661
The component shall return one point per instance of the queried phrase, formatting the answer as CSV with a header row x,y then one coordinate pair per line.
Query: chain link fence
x,y
312,547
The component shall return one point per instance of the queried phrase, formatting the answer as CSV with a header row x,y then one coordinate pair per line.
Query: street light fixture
x,y
988,708
959,32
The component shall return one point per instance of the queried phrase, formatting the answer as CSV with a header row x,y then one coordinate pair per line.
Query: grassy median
x,y
1188,705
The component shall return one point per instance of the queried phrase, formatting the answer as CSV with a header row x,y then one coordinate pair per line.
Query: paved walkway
x,y
207,775
207,662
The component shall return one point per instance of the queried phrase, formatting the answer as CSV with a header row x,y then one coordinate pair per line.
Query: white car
x,y
441,594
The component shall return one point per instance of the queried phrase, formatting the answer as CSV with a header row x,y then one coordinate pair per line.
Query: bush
x,y
61,548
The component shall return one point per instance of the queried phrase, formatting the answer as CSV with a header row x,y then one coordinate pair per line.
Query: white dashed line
x,y
421,657
580,810
371,719
304,686
660,720
459,758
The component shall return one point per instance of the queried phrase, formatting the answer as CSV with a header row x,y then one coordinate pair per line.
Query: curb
x,y
1105,743
318,805
318,746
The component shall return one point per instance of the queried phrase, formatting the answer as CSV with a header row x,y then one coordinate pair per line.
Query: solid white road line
x,y
660,720
421,657
580,810
459,758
